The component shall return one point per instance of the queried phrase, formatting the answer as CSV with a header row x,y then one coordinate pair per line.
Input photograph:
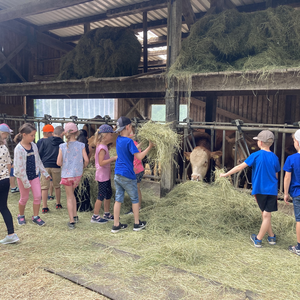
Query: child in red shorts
x,y
72,158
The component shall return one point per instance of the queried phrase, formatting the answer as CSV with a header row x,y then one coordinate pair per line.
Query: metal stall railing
x,y
186,128
18,121
213,126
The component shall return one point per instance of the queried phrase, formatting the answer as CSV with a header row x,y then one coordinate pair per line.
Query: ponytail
x,y
18,138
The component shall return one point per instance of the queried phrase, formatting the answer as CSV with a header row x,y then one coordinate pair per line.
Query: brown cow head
x,y
230,145
200,161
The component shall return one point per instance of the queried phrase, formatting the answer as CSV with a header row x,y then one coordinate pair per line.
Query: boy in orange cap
x,y
48,130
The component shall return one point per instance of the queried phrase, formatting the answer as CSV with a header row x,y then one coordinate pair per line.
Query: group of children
x,y
65,161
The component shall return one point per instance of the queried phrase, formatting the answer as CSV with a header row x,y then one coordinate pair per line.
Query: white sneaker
x,y
9,239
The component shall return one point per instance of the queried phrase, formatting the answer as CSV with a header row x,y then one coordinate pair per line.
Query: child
x,y
83,195
292,186
4,186
265,166
103,140
27,165
48,150
48,130
125,178
139,173
73,158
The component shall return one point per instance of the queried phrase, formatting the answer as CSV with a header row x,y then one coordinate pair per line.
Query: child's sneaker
x,y
272,240
58,206
38,221
140,226
98,219
256,242
9,239
71,225
45,210
294,249
76,219
15,190
108,216
115,229
21,220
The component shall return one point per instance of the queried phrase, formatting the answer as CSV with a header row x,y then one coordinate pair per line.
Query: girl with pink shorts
x,y
27,165
72,158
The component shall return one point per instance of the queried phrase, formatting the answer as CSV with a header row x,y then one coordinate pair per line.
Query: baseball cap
x,y
297,135
71,127
105,129
48,128
5,128
264,136
122,123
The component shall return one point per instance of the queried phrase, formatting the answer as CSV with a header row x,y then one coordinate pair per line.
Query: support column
x,y
211,108
145,42
172,97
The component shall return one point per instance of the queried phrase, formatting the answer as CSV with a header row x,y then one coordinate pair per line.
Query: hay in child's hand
x,y
166,141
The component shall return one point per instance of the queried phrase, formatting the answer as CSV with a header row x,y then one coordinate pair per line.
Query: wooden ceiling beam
x,y
188,13
35,7
109,14
42,38
152,42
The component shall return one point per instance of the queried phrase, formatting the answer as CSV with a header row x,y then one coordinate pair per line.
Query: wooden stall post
x,y
172,98
145,42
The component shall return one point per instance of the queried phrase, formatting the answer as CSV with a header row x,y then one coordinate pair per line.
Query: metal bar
x,y
235,156
185,137
233,128
39,130
275,142
223,149
282,162
242,148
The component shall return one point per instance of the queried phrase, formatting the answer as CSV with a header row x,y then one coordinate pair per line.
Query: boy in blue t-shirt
x,y
265,166
125,178
292,186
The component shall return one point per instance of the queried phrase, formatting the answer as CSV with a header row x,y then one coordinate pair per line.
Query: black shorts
x,y
104,190
267,203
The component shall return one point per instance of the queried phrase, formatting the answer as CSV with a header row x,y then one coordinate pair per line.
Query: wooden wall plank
x,y
270,102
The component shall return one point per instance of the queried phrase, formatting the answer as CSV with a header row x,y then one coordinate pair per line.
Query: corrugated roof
x,y
99,7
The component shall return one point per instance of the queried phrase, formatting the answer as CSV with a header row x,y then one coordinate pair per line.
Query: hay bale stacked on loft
x,y
103,52
231,40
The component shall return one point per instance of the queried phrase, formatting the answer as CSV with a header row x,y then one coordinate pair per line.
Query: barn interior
x,y
35,37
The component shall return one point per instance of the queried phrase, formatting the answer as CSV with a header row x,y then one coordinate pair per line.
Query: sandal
x,y
58,206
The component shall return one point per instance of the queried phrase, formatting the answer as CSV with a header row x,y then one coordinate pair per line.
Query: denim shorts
x,y
296,202
139,176
123,184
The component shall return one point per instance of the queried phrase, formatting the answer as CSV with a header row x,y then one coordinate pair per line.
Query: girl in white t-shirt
x,y
103,138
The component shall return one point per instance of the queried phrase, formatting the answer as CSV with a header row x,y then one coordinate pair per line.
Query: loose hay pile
x,y
232,40
195,209
166,141
103,52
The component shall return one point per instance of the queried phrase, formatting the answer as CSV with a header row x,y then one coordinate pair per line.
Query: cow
x,y
200,157
93,128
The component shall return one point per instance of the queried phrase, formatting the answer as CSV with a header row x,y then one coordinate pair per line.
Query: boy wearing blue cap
x,y
125,178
